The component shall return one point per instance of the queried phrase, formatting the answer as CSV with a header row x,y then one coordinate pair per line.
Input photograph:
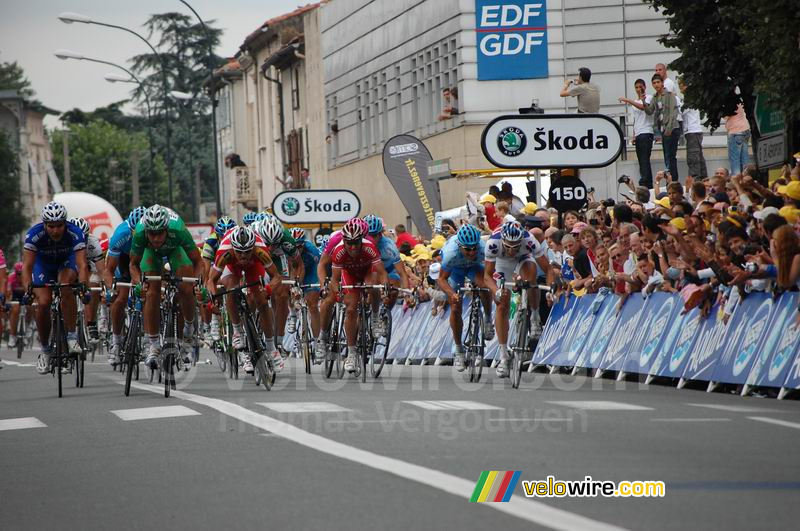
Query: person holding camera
x,y
588,93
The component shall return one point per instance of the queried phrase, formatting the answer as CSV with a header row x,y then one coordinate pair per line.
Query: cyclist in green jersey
x,y
162,236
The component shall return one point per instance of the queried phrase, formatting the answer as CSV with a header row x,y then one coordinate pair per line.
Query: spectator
x,y
738,136
507,194
664,106
578,261
588,93
449,103
642,132
503,212
693,132
232,160
669,84
404,237
305,178
488,202
570,219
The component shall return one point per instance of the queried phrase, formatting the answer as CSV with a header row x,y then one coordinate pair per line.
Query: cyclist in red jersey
x,y
355,260
242,253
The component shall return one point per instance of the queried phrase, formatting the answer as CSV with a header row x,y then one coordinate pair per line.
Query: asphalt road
x,y
401,453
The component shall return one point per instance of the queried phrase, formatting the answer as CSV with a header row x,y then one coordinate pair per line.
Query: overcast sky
x,y
30,32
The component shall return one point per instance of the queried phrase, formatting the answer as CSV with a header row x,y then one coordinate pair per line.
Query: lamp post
x,y
69,54
210,66
69,18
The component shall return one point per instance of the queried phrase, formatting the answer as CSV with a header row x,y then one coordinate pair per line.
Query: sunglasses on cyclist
x,y
352,243
469,248
156,232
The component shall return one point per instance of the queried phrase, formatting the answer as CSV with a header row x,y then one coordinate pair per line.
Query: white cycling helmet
x,y
271,231
242,239
82,224
156,218
54,212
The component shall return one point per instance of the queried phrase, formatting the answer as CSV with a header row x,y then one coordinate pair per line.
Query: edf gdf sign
x,y
315,206
512,39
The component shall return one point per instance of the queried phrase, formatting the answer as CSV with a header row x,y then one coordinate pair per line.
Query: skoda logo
x,y
511,141
290,206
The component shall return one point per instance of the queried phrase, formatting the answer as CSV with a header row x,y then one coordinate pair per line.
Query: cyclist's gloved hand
x,y
86,297
109,295
498,295
2,298
27,298
204,295
137,290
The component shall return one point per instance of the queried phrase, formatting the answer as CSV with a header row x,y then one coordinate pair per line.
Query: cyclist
x,y
118,262
462,258
97,265
310,256
283,250
243,253
54,251
160,235
249,218
15,291
355,261
510,251
390,257
223,225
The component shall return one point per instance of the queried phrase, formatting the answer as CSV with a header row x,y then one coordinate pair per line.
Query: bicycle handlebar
x,y
175,280
219,294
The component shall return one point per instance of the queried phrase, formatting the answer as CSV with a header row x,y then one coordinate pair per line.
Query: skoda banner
x,y
552,141
315,206
405,163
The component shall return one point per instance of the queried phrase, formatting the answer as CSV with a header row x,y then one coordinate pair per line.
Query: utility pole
x,y
197,195
135,201
67,178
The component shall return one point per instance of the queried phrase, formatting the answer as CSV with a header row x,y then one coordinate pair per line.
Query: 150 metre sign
x,y
315,206
552,141
511,38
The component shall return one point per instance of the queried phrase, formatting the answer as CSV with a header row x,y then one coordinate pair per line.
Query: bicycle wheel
x,y
60,340
330,358
20,333
222,357
305,340
130,355
80,369
381,345
262,367
518,351
477,359
169,359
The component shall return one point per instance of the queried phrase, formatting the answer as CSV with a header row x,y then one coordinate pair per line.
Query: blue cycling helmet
x,y
135,216
249,218
224,224
468,236
261,216
512,231
324,241
374,224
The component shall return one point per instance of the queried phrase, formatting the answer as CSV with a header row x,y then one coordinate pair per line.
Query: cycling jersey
x,y
459,266
310,255
120,242
253,269
2,260
210,246
52,251
508,264
336,238
176,248
355,268
282,251
14,281
390,256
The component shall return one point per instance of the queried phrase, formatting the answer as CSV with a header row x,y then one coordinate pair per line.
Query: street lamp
x,y
69,18
69,54
210,66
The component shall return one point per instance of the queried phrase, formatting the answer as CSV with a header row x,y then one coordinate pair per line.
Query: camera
x,y
608,203
590,191
624,179
751,267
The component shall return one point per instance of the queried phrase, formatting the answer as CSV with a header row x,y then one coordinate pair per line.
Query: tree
x,y
733,49
12,222
12,77
100,154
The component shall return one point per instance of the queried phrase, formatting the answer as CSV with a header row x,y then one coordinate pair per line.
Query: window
x,y
295,88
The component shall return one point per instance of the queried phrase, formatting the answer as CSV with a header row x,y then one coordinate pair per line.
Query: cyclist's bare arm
x,y
28,258
322,267
83,266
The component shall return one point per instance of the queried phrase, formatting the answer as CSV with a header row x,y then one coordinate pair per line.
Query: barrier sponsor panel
x,y
660,310
779,345
605,320
625,331
673,353
555,330
707,347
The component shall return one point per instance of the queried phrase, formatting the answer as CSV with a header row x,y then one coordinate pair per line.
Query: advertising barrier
x,y
758,346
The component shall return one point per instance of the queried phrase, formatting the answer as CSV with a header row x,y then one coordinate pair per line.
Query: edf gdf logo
x,y
290,206
511,141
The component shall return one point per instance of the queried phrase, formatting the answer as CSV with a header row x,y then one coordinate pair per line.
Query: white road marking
x,y
519,506
735,409
779,422
450,405
18,364
601,405
21,423
303,407
534,419
161,412
691,420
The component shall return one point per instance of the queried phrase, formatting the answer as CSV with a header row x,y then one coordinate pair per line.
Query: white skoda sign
x,y
552,141
315,206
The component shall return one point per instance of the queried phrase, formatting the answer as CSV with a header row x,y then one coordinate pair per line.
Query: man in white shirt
x,y
670,86
642,132
693,132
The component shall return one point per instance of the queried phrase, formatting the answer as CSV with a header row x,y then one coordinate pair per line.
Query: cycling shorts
x,y
252,272
460,274
508,267
350,279
45,271
152,262
123,273
311,278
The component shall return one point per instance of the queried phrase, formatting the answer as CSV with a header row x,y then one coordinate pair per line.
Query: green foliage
x,y
101,153
12,223
12,77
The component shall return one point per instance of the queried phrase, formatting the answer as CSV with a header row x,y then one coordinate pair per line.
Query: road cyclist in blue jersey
x,y
463,258
390,256
310,255
54,252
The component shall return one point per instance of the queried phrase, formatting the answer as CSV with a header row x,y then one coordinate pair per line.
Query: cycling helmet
x,y
324,241
135,216
271,231
242,239
512,232
18,267
248,218
156,218
354,229
54,212
298,234
224,224
374,224
468,236
261,216
81,224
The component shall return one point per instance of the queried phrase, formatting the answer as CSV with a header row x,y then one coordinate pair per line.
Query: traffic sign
x,y
568,193
552,141
771,151
770,121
